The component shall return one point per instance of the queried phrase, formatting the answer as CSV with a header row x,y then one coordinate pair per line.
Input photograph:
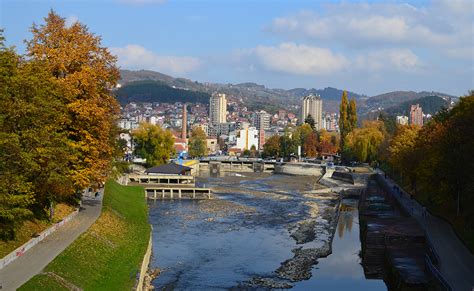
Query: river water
x,y
240,239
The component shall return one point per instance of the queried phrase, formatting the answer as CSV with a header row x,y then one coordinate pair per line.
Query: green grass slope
x,y
109,254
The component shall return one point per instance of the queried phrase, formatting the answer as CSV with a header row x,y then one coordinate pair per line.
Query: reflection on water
x,y
219,244
342,269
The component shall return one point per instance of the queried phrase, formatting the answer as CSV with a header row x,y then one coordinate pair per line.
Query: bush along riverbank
x,y
109,254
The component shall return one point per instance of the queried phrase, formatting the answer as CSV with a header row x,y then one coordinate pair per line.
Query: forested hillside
x,y
155,91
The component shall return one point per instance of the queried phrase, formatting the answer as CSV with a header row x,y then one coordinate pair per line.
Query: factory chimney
x,y
184,122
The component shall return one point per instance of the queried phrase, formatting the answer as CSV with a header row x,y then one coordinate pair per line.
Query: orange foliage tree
x,y
85,72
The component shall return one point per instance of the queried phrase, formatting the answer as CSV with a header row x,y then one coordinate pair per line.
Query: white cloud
x,y
138,57
70,20
443,23
389,60
299,59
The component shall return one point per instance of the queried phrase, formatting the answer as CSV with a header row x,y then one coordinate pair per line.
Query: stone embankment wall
x,y
145,264
34,241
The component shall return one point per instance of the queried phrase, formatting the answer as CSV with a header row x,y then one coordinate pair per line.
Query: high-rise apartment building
x,y
217,108
416,115
261,120
312,105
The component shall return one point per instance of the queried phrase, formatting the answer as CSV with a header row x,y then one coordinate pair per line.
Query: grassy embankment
x,y
32,227
109,254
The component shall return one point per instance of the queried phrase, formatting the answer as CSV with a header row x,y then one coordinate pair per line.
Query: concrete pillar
x,y
163,193
179,193
154,193
171,193
194,193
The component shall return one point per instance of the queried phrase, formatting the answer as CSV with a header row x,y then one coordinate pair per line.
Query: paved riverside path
x,y
35,259
456,262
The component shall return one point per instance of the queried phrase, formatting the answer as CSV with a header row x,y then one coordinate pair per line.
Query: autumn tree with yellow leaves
x,y
85,72
58,131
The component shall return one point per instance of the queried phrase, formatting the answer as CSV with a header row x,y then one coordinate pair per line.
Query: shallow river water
x,y
244,235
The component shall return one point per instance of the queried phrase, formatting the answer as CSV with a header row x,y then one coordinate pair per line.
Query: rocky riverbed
x,y
259,231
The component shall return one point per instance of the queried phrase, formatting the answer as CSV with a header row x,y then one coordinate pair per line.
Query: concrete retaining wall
x,y
145,263
300,169
342,176
32,242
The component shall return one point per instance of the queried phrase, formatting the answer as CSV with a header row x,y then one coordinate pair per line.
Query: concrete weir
x,y
301,169
169,186
161,192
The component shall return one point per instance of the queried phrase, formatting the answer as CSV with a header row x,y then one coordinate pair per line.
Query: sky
x,y
367,47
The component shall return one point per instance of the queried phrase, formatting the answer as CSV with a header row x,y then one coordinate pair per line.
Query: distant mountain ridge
x,y
257,96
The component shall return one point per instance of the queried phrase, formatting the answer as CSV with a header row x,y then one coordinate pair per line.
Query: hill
x,y
157,91
390,99
429,104
254,96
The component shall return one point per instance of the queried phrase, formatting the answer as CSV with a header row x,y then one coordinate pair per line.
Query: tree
x,y
364,142
271,148
301,132
326,143
310,145
85,72
35,152
288,146
352,115
253,151
344,124
401,145
153,143
309,120
197,143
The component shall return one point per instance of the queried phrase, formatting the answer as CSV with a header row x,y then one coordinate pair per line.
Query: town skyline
x,y
418,45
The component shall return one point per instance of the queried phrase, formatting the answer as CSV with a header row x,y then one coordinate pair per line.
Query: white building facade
x,y
313,105
217,108
248,137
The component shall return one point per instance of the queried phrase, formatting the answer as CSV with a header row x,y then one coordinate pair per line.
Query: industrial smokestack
x,y
184,122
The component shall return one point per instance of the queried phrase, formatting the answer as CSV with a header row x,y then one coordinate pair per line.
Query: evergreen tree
x,y
310,120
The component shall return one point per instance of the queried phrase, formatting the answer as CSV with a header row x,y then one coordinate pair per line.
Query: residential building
x,y
261,120
312,105
416,115
402,120
217,108
248,137
212,145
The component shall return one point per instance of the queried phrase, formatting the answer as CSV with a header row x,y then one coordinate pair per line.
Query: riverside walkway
x,y
37,258
456,261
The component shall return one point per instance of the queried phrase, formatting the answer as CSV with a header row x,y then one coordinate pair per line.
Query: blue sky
x,y
368,47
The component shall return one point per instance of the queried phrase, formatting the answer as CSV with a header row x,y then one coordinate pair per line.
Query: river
x,y
251,236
